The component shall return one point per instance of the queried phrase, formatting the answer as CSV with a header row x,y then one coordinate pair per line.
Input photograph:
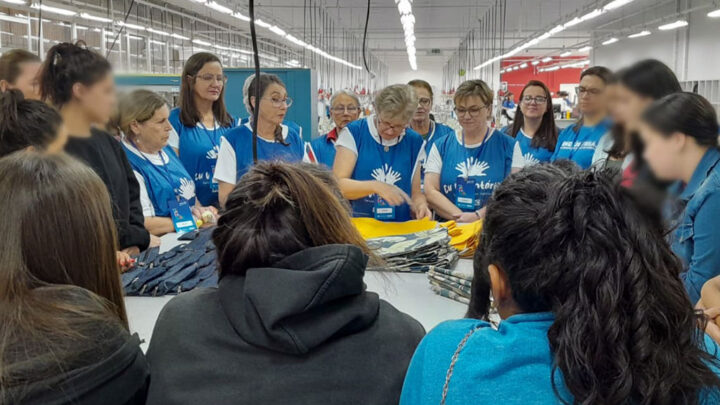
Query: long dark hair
x,y
67,64
189,115
604,74
687,113
547,135
26,123
265,81
576,244
278,209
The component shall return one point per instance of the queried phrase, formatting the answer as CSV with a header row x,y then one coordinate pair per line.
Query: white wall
x,y
692,52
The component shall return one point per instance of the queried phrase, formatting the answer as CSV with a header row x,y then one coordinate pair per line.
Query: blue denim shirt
x,y
696,239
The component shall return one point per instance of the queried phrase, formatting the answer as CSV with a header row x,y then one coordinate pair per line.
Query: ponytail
x,y
67,64
26,123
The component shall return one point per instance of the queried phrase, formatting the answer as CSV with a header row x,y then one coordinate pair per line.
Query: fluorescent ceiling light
x,y
277,30
218,7
564,54
574,21
523,66
595,13
712,14
14,1
95,18
53,10
201,42
261,23
178,36
241,16
516,68
616,4
585,49
640,34
131,26
134,37
610,41
152,41
407,20
535,62
550,69
547,59
672,26
81,28
14,19
158,32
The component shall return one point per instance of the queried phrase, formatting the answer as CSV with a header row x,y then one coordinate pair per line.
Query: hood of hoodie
x,y
303,301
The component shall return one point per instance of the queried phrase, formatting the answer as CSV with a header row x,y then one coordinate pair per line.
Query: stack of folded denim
x,y
415,252
180,269
453,284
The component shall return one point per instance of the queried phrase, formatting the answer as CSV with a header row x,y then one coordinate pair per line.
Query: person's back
x,y
290,321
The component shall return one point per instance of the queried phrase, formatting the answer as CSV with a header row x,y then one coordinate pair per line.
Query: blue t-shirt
x,y
393,167
508,365
580,146
324,148
239,155
488,164
198,149
163,182
529,154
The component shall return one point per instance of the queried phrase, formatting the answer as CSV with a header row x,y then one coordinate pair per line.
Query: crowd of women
x,y
598,250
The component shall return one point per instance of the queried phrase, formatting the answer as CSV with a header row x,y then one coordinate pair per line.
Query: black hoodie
x,y
304,331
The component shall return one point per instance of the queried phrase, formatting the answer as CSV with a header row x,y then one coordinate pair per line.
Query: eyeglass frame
x,y
288,101
213,79
337,109
528,100
425,102
591,92
475,115
387,126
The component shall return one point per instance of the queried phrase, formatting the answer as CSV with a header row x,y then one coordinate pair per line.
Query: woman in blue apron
x,y
534,127
200,122
680,135
165,185
375,159
427,128
276,140
463,169
344,109
578,142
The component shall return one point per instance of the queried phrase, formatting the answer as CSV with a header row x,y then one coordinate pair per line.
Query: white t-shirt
x,y
145,201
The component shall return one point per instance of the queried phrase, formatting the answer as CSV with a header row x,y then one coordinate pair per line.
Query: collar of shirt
x,y
332,136
284,127
458,136
153,158
706,165
376,136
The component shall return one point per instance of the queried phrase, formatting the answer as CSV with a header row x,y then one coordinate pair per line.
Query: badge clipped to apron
x,y
214,185
182,217
383,210
465,193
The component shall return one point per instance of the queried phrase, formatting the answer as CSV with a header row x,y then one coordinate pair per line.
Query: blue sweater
x,y
510,365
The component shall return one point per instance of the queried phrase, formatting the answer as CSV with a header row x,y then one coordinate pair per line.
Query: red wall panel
x,y
517,79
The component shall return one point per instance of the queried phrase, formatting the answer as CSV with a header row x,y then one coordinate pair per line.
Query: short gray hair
x,y
344,93
397,100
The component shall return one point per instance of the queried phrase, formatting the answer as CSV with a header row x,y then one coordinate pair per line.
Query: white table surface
x,y
409,293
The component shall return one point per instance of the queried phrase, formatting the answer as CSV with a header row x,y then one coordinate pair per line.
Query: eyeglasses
x,y
425,102
473,111
211,77
384,126
341,109
536,100
280,102
593,92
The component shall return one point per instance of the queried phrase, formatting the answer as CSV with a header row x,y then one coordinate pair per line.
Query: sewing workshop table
x,y
410,293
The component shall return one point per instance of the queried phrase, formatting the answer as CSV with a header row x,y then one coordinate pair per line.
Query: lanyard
x,y
165,174
431,133
207,132
467,155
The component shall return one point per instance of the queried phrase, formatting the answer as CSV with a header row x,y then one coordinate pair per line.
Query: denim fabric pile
x,y
181,269
453,284
416,252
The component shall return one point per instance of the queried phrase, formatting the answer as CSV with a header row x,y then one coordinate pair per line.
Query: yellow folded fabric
x,y
372,228
465,238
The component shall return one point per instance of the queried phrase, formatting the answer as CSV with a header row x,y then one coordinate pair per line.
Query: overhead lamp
x,y
564,54
640,34
13,19
616,4
523,66
201,42
551,69
218,7
158,32
574,21
277,30
53,10
610,41
95,18
585,49
547,59
131,26
81,28
152,41
535,62
261,23
714,14
407,20
14,1
178,36
134,37
672,26
241,16
595,13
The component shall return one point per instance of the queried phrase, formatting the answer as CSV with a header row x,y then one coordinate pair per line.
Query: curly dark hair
x,y
575,243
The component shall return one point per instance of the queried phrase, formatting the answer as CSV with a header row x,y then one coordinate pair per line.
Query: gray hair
x,y
397,100
344,93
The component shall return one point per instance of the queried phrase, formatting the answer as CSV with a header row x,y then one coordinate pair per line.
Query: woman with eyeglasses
x,y
200,121
463,170
276,140
534,127
579,142
376,157
344,109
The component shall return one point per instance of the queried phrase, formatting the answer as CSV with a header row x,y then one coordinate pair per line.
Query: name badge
x,y
182,218
383,210
214,185
465,193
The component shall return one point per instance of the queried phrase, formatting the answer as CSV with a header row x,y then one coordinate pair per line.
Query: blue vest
x,y
488,164
240,139
163,183
324,149
580,146
393,167
199,148
437,133
290,124
532,155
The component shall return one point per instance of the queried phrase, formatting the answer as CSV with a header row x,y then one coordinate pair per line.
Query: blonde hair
x,y
137,106
397,100
477,88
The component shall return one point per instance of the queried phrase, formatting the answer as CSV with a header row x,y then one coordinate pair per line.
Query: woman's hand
x,y
132,251
421,210
466,217
124,261
392,194
712,328
154,241
208,215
